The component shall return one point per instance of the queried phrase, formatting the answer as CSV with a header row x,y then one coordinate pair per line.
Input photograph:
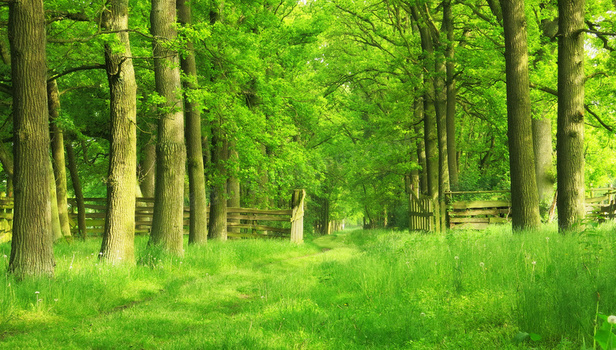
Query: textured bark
x,y
56,228
440,108
198,200
119,235
420,145
81,205
544,172
218,206
451,97
570,125
32,243
59,162
233,183
148,165
524,200
430,127
168,223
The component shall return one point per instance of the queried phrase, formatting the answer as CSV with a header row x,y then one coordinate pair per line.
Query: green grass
x,y
354,290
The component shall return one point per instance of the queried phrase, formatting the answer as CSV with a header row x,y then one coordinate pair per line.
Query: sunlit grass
x,y
354,290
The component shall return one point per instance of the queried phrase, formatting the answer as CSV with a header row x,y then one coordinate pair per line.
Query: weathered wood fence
x,y
241,222
478,213
421,213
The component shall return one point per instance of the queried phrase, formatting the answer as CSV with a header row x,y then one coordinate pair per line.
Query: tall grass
x,y
354,290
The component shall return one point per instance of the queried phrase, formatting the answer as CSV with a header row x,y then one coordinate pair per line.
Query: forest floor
x,y
351,290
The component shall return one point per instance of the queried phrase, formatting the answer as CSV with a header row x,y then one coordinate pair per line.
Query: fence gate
x,y
421,213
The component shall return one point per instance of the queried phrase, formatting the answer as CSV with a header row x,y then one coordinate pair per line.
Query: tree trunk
x,y
524,201
81,205
32,243
148,165
233,183
570,125
168,223
544,172
56,227
198,201
119,235
420,143
59,162
430,127
218,203
440,104
452,157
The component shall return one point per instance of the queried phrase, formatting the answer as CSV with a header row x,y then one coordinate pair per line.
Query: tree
x,y
168,222
57,151
524,198
196,178
570,125
118,237
31,247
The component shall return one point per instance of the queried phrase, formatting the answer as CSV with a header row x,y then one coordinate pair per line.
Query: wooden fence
x,y
478,214
241,222
601,203
421,213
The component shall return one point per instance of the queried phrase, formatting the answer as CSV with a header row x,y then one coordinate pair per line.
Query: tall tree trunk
x,y
32,243
233,183
57,151
218,203
420,143
81,205
198,201
56,227
148,164
542,145
524,201
430,127
440,104
119,235
168,223
452,157
570,125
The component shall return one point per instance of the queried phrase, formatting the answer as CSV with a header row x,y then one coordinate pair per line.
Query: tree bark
x,y
81,206
430,127
198,200
544,172
148,165
59,161
218,206
56,227
233,183
32,243
118,238
570,125
524,200
452,153
168,223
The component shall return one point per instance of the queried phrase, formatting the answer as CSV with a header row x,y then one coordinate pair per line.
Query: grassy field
x,y
353,290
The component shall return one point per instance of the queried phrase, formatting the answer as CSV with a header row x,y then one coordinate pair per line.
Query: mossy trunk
x,y
168,222
32,243
118,238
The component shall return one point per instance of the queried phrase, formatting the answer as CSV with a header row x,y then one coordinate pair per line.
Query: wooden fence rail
x,y
241,222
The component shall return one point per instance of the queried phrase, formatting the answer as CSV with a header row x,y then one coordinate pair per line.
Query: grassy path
x,y
356,290
218,310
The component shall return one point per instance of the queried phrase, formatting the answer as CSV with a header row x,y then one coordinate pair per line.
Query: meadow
x,y
358,289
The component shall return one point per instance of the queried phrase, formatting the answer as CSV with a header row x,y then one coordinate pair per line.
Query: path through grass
x,y
355,290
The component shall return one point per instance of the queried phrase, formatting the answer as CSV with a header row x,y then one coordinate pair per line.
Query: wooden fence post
x,y
297,217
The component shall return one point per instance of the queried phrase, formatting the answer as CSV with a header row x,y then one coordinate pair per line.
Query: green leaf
x,y
520,337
